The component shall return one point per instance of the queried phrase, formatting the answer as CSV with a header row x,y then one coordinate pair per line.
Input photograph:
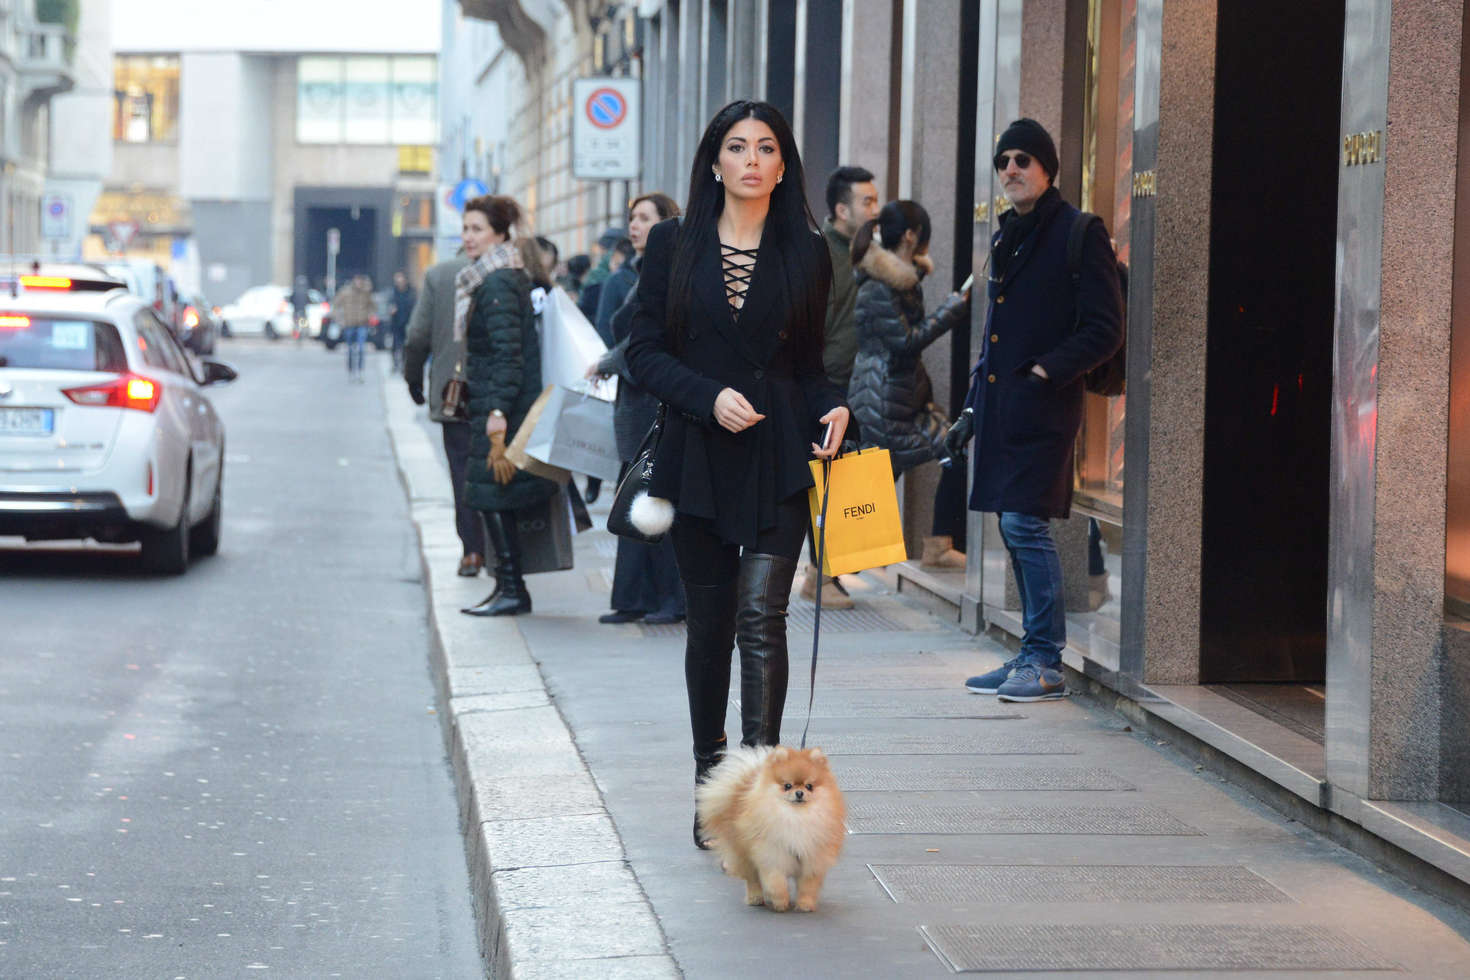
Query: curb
x,y
554,894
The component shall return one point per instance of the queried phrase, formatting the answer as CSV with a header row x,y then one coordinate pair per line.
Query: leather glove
x,y
954,310
416,392
503,468
959,434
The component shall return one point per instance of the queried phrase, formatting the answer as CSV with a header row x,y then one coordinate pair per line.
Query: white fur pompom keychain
x,y
651,515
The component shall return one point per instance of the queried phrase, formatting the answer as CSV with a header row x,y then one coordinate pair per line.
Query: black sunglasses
x,y
1023,160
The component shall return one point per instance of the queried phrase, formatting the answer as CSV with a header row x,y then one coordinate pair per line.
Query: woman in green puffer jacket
x,y
494,316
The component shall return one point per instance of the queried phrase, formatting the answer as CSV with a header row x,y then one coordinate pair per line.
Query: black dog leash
x,y
811,693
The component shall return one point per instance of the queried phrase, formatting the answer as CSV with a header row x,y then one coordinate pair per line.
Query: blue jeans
x,y
1039,580
356,338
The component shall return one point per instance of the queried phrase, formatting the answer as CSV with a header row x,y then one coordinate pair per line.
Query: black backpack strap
x,y
1076,239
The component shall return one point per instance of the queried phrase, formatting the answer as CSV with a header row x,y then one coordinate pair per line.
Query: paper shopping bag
x,y
570,345
864,527
545,535
516,451
575,432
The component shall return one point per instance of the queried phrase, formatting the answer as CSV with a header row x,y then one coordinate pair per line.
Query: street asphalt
x,y
238,771
1013,840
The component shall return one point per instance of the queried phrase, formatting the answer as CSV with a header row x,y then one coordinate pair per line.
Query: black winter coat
x,y
635,409
1026,427
503,369
772,356
892,332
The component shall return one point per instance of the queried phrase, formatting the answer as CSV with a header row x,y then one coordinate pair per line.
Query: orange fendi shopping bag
x,y
864,528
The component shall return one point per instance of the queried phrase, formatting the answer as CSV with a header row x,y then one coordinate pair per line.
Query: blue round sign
x,y
606,107
467,190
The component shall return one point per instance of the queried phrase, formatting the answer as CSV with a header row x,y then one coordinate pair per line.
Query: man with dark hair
x,y
852,201
1046,326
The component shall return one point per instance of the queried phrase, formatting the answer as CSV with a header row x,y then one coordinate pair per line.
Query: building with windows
x,y
38,62
244,138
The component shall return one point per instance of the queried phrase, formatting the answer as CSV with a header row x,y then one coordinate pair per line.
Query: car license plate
x,y
27,421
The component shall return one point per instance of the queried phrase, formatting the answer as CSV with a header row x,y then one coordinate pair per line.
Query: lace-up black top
x,y
747,328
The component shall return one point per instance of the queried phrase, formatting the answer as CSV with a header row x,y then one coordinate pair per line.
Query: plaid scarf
x,y
467,280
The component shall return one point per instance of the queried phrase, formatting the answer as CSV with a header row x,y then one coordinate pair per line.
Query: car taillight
x,y
326,307
129,391
14,322
45,282
285,307
191,317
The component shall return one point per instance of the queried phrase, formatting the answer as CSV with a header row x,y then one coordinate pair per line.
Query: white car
x,y
267,310
106,431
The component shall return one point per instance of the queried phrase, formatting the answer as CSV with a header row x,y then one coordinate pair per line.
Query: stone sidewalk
x,y
987,837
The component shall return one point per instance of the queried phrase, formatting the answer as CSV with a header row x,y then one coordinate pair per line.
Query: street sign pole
x,y
334,245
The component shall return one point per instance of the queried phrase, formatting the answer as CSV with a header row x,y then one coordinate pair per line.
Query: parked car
x,y
267,310
106,427
198,329
256,311
149,281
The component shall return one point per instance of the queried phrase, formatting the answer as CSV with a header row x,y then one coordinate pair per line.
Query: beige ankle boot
x,y
939,553
832,596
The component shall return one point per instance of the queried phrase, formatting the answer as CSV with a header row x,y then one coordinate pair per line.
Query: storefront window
x,y
367,100
145,94
1106,182
1457,511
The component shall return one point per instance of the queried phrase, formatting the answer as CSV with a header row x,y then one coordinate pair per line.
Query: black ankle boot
x,y
703,763
710,622
510,597
763,592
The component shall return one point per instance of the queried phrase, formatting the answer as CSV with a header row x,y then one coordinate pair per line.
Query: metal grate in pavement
x,y
965,743
1013,884
984,949
800,620
880,817
997,780
911,704
833,674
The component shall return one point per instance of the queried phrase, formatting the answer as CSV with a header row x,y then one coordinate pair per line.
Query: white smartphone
x,y
827,436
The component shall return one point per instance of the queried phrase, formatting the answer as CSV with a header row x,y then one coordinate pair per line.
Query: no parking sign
x,y
606,130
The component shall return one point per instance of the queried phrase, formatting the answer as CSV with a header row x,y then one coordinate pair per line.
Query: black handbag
x,y
632,501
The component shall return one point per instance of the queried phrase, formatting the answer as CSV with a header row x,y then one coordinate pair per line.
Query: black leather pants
x,y
763,591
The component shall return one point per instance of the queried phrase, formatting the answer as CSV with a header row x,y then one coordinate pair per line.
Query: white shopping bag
x,y
569,345
575,432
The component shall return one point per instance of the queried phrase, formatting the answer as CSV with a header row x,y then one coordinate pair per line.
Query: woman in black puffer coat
x,y
888,394
495,316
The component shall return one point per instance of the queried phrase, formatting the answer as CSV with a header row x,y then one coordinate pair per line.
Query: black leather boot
x,y
510,597
703,763
763,592
710,625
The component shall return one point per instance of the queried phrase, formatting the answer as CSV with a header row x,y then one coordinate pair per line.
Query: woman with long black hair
x,y
728,329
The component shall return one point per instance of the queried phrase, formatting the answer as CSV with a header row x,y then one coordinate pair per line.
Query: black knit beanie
x,y
1029,136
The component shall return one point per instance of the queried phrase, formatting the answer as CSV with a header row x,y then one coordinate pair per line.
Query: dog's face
x,y
798,776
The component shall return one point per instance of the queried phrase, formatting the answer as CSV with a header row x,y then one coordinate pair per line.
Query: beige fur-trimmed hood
x,y
889,269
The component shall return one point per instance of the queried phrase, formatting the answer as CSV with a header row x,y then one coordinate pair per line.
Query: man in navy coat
x,y
1043,333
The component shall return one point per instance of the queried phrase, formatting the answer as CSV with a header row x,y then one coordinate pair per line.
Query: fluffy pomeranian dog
x,y
774,813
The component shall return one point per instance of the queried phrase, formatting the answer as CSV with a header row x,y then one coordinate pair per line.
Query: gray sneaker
x,y
1033,683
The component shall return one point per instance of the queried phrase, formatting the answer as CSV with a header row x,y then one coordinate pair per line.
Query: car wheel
x,y
204,538
167,550
270,331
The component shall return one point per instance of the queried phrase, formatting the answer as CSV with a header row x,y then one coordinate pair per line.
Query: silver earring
x,y
719,179
778,179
